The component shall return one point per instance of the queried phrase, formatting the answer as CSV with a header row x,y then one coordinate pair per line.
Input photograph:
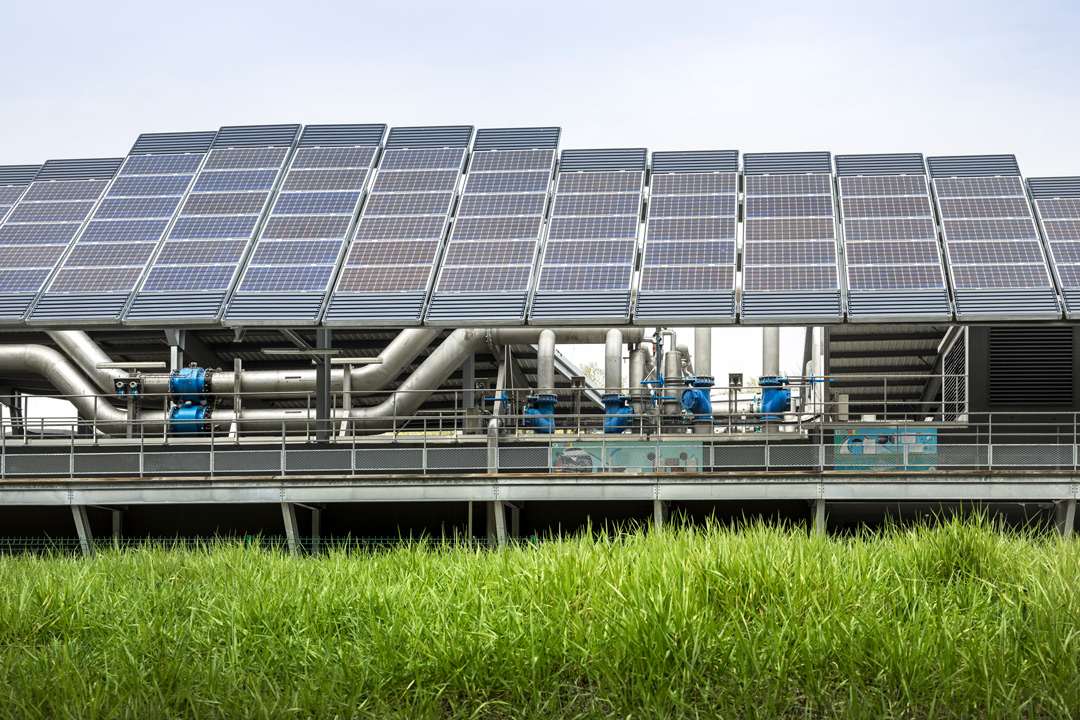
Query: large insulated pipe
x,y
703,351
86,353
770,352
687,362
613,345
545,362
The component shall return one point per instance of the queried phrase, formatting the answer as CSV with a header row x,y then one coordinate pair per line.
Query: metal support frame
x,y
323,407
117,524
660,513
292,530
818,510
1065,516
82,525
496,522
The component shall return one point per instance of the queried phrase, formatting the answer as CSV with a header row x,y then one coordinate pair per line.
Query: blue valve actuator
x,y
697,398
775,397
540,413
189,419
618,415
189,385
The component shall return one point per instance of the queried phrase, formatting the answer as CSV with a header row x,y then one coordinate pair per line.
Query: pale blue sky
x,y
84,79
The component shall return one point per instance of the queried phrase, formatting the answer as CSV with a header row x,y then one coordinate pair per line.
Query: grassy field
x,y
959,620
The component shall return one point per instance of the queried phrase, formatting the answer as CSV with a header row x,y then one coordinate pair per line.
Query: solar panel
x,y
303,240
893,263
997,265
1057,205
411,199
41,216
689,249
790,248
579,277
493,244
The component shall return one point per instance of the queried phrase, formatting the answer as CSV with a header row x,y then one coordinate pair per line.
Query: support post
x,y
292,530
818,508
82,525
323,405
1065,516
498,512
660,513
316,529
117,525
515,521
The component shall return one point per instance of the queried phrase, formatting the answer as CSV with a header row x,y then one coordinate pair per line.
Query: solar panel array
x,y
1057,204
197,264
689,260
893,259
42,222
300,245
488,263
790,270
590,252
996,261
100,270
389,267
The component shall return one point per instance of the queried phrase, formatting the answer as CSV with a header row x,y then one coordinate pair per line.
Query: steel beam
x,y
818,509
1065,516
82,526
292,530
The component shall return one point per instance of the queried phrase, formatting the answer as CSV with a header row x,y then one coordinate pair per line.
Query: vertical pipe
x,y
770,352
703,351
613,362
324,408
545,362
637,374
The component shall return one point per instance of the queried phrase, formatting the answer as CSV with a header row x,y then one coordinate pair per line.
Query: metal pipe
x,y
770,352
637,374
545,362
672,370
86,353
613,344
687,364
703,351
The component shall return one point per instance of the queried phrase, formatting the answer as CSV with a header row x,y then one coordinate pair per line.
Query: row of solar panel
x,y
177,229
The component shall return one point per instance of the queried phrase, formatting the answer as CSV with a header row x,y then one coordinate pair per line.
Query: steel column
x,y
82,525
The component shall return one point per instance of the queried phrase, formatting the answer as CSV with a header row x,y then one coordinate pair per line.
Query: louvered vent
x,y
1031,367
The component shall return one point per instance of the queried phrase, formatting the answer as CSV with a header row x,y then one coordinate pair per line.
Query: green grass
x,y
959,620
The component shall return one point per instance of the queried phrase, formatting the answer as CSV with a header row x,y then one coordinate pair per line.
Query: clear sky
x,y
84,79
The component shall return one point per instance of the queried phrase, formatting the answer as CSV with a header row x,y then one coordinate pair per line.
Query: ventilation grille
x,y
1031,366
603,160
581,306
455,136
546,138
930,304
466,309
13,307
375,309
1056,187
973,165
787,163
175,307
693,162
895,164
166,143
94,169
782,306
341,135
275,307
18,174
674,307
248,136
63,306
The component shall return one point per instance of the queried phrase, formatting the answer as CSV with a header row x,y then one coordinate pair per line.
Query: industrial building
x,y
340,331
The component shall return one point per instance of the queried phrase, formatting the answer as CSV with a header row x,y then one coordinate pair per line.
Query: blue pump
x,y
618,415
697,399
189,385
189,419
775,397
540,413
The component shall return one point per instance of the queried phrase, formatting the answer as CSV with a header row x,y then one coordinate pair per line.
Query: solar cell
x,y
228,226
245,158
496,182
10,194
504,204
719,228
501,279
22,280
691,205
707,252
789,206
1063,252
999,276
161,164
307,226
186,252
124,208
895,277
987,252
595,252
895,252
235,180
888,207
978,187
592,182
179,278
403,228
286,278
870,185
989,229
64,190
686,278
490,252
409,204
816,184
383,279
899,229
333,157
27,256
1062,229
771,278
316,203
50,211
415,181
98,231
324,180
501,228
985,208
588,228
694,183
408,252
428,159
84,280
512,160
584,278
110,254
148,185
224,203
296,252
597,204
1059,208
789,229
778,252
37,233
